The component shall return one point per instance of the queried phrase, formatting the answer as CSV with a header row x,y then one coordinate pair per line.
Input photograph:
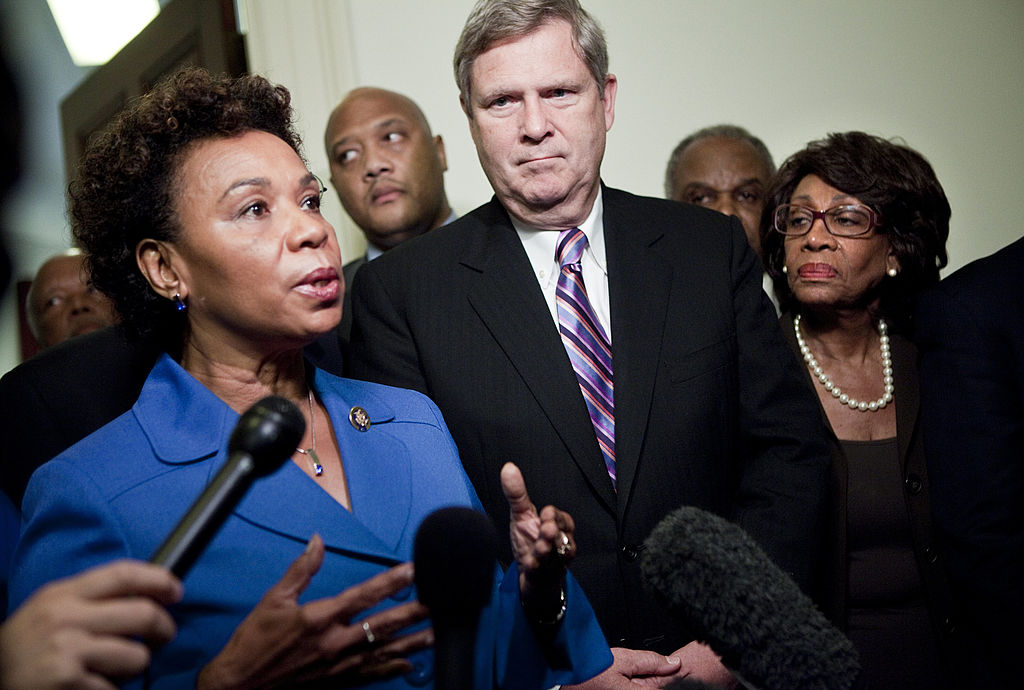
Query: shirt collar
x,y
540,244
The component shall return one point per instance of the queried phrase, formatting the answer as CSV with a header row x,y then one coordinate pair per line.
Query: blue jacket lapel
x,y
376,464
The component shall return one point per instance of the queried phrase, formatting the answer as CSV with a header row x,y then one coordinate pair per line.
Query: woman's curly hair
x,y
894,180
126,187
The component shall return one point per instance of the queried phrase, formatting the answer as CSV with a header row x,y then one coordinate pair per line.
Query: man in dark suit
x,y
706,406
970,335
388,171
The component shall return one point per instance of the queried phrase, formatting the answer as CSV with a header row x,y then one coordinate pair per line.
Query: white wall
x,y
946,77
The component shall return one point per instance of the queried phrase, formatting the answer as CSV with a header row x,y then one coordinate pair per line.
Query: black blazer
x,y
710,409
970,332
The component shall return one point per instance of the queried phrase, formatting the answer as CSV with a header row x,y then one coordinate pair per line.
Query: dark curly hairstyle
x,y
894,180
126,187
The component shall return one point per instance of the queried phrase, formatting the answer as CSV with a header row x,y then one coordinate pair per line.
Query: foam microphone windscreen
x,y
733,597
454,555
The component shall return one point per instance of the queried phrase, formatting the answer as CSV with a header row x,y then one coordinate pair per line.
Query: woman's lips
x,y
322,284
816,271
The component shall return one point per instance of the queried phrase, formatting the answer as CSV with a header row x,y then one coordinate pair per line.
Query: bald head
x,y
61,304
724,168
386,167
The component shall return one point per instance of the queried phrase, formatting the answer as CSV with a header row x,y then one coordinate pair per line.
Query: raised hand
x,y
543,545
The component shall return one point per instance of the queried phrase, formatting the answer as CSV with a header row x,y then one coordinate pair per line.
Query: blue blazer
x,y
121,490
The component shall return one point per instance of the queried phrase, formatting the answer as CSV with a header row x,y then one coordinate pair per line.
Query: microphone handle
x,y
454,658
188,539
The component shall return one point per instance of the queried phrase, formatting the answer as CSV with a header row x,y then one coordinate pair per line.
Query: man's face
x,y
539,122
727,175
385,167
64,304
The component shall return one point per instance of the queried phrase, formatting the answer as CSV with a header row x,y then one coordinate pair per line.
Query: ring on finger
x,y
370,637
563,546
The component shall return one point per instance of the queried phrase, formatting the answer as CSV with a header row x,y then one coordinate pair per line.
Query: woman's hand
x,y
542,544
283,643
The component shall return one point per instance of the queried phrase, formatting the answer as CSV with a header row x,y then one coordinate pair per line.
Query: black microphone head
x,y
454,556
733,597
269,432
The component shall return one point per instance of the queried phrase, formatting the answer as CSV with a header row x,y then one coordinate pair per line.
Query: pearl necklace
x,y
832,388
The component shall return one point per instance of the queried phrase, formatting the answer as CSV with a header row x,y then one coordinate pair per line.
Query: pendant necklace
x,y
310,452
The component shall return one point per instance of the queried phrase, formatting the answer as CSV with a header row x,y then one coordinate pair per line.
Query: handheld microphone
x,y
735,599
266,434
454,556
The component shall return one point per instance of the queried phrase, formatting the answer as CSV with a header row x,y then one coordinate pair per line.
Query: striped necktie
x,y
585,341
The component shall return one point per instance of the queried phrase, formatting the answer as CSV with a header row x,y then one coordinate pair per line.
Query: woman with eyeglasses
x,y
854,227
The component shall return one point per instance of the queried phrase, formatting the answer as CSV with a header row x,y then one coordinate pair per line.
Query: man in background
x,y
388,171
725,168
61,304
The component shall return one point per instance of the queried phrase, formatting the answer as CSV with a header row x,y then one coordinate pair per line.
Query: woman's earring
x,y
785,269
179,303
892,272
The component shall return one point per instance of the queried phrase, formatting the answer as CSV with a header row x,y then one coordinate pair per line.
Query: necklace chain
x,y
831,387
314,460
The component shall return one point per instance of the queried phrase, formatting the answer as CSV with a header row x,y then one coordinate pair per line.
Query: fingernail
x,y
309,544
672,660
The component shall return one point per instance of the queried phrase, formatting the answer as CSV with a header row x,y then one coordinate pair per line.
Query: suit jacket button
x,y
914,484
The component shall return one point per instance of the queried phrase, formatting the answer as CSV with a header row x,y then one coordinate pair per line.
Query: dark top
x,y
887,614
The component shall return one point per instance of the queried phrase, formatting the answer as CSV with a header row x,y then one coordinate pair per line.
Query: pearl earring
x,y
785,269
892,272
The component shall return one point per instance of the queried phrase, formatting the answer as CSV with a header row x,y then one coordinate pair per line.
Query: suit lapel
x,y
639,285
505,295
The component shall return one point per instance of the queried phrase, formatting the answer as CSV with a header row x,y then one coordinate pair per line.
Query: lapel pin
x,y
358,418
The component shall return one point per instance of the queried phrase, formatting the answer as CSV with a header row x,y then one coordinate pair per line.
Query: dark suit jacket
x,y
970,331
710,408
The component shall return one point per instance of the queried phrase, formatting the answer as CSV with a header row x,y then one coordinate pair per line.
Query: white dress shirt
x,y
540,249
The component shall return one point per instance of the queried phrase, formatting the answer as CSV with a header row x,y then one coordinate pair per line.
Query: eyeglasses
x,y
793,220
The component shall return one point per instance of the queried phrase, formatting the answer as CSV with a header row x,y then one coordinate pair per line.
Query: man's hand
x,y
542,544
633,668
85,630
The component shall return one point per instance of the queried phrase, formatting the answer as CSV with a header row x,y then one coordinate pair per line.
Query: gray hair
x,y
496,20
725,131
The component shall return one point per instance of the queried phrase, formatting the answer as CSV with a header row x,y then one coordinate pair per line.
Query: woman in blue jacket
x,y
201,221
